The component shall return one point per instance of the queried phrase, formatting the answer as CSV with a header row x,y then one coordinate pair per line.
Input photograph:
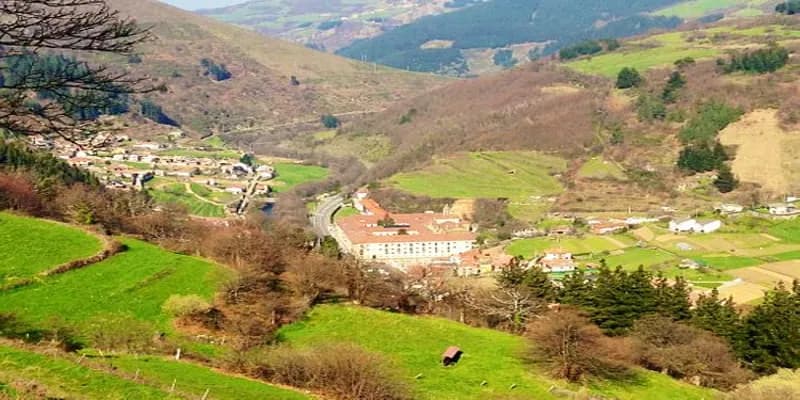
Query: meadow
x,y
292,174
699,8
62,378
415,344
134,283
588,244
29,246
177,194
598,168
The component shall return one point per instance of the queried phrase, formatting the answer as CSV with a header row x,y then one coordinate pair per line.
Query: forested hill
x,y
544,25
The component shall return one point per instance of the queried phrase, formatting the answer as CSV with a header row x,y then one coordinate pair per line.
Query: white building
x,y
693,225
404,239
782,209
556,260
730,208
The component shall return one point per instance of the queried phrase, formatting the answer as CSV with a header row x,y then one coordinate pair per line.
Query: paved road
x,y
321,220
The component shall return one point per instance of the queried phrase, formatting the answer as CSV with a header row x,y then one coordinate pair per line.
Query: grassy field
x,y
62,378
597,168
416,343
699,8
291,175
177,193
192,381
134,283
29,246
632,258
512,175
346,212
589,244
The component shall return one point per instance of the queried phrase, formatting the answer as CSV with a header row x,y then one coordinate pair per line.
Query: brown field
x,y
743,292
761,276
786,268
766,154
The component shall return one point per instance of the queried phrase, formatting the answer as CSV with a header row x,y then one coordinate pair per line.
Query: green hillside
x,y
134,283
500,23
28,246
416,343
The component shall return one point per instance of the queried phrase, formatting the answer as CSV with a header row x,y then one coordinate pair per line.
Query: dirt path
x,y
770,237
188,187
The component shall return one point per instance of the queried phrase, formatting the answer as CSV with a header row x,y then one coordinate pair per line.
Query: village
x,y
738,250
212,182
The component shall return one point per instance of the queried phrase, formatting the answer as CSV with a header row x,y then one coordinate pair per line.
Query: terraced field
x,y
29,246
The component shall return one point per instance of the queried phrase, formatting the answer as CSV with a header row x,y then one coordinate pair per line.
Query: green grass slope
x,y
134,283
191,381
416,343
292,174
29,246
63,379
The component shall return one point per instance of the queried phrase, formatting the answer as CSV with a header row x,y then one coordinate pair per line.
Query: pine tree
x,y
716,315
628,78
620,298
538,283
725,181
672,301
770,335
575,289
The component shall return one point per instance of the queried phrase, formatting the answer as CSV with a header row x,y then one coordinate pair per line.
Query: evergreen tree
x,y
770,335
672,301
628,78
575,289
674,84
716,315
538,283
725,181
620,298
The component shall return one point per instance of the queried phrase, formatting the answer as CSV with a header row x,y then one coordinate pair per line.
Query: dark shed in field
x,y
451,356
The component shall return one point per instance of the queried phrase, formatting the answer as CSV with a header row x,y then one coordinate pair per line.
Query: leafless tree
x,y
511,305
30,29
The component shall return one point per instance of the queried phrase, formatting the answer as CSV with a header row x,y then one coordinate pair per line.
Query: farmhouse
x,y
694,225
782,209
606,227
556,260
402,240
729,208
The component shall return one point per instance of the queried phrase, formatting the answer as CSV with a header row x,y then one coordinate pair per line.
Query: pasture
x,y
598,168
699,8
292,174
62,378
195,203
415,344
29,246
134,283
192,381
528,248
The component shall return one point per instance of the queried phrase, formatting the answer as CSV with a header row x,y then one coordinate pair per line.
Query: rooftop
x,y
407,228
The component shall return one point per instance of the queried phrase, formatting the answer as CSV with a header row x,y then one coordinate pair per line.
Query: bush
x,y
341,371
330,121
628,78
759,61
573,348
185,306
785,385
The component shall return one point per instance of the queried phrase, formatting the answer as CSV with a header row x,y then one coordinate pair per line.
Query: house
x,y
729,208
606,227
682,225
556,260
688,263
563,230
782,209
235,189
694,225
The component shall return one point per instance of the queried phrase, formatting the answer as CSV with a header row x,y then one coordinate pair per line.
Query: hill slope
x,y
329,25
416,343
543,25
260,91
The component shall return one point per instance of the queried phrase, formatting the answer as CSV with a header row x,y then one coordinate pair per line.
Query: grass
x,y
346,212
177,194
724,263
634,257
29,246
508,174
699,8
416,343
598,168
62,378
590,244
291,175
192,381
788,230
134,283
325,135
214,154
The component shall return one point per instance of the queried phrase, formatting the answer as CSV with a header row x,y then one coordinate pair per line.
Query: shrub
x,y
342,371
628,78
573,348
785,385
330,121
759,61
185,306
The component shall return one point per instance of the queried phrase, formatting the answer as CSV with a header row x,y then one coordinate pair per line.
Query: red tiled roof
x,y
373,207
417,227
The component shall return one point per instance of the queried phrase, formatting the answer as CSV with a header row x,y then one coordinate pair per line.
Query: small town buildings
x,y
563,230
234,189
782,209
476,262
694,225
688,263
556,260
607,227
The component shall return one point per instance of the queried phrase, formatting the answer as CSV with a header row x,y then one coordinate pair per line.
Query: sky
x,y
198,4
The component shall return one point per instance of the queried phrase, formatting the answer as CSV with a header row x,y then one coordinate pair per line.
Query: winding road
x,y
322,218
